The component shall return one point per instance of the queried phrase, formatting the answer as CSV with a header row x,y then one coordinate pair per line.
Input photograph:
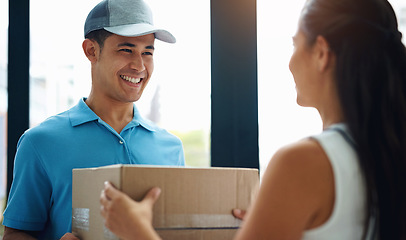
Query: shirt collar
x,y
81,113
139,120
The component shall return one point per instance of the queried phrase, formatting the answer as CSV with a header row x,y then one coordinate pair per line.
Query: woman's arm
x,y
297,193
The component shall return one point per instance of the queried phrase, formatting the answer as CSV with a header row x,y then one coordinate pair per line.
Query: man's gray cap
x,y
129,18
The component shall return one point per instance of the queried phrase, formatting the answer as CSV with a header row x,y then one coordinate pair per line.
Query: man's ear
x,y
90,48
325,57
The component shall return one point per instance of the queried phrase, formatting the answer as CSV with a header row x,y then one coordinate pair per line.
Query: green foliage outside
x,y
2,205
196,146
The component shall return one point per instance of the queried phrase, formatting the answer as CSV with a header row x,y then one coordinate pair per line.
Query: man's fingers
x,y
238,213
69,236
152,196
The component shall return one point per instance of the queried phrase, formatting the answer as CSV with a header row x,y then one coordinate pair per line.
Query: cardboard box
x,y
195,203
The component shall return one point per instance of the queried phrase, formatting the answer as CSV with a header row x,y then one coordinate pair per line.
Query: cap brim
x,y
136,30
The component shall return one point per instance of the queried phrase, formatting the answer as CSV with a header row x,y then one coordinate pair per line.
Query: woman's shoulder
x,y
304,169
303,163
305,152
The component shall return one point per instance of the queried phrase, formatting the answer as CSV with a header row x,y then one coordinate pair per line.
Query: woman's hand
x,y
127,218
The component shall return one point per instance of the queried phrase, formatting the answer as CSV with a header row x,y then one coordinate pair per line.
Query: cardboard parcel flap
x,y
191,198
87,185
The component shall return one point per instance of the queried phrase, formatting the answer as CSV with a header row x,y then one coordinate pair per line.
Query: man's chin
x,y
136,99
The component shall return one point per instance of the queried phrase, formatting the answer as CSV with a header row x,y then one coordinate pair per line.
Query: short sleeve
x,y
181,158
30,194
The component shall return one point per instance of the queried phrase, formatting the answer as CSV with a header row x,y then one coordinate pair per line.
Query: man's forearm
x,y
14,234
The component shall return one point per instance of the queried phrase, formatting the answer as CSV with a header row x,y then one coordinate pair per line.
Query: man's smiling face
x,y
123,67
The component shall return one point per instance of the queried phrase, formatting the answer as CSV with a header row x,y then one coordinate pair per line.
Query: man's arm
x,y
15,234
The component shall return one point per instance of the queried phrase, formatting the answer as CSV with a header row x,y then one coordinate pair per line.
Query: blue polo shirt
x,y
41,194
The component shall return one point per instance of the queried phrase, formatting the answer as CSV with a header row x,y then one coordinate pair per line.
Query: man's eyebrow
x,y
127,44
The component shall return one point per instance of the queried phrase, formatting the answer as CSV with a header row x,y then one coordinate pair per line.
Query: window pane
x,y
278,112
59,71
178,95
281,120
182,75
3,101
400,8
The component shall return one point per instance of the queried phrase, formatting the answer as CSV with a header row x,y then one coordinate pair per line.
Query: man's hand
x,y
238,213
15,234
69,236
127,218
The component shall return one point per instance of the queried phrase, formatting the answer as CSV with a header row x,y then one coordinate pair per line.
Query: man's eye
x,y
147,53
126,50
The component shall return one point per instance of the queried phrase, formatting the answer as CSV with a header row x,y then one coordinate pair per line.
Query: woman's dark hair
x,y
99,36
370,77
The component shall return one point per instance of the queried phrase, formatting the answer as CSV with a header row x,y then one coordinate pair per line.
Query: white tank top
x,y
348,217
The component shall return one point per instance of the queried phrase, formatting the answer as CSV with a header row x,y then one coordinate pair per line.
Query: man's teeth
x,y
130,79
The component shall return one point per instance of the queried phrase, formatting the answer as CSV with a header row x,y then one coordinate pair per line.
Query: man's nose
x,y
137,63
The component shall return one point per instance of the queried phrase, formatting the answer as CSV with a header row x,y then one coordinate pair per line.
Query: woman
x,y
348,182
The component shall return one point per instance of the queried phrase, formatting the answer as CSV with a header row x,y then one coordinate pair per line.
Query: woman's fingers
x,y
152,196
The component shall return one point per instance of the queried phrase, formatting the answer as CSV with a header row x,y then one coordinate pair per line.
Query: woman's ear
x,y
325,57
90,48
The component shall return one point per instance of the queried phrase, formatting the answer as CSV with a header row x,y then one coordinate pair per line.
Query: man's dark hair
x,y
99,36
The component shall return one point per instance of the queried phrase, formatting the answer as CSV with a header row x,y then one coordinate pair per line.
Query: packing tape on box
x,y
108,235
80,218
181,221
